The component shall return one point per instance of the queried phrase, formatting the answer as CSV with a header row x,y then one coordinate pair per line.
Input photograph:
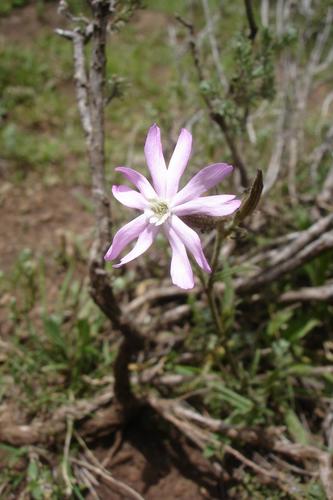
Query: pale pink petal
x,y
139,181
191,241
155,160
125,235
129,197
207,178
178,162
180,269
215,206
145,240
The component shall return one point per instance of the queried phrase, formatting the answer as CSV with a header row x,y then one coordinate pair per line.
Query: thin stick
x,y
119,486
320,293
102,471
216,117
87,478
65,460
213,44
251,19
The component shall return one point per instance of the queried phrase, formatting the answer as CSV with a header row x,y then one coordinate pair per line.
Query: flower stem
x,y
222,232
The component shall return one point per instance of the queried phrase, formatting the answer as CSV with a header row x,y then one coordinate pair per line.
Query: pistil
x,y
158,212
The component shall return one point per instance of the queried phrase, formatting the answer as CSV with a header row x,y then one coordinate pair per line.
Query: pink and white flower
x,y
163,206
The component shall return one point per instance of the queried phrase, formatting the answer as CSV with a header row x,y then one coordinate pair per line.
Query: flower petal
x,y
215,206
144,241
139,181
178,162
180,269
125,235
155,160
129,197
202,181
191,241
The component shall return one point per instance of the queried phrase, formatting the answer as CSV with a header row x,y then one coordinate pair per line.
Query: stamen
x,y
158,212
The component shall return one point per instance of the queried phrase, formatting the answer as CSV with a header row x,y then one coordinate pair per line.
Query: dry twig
x,y
115,484
201,429
100,470
251,20
65,460
266,276
216,117
315,293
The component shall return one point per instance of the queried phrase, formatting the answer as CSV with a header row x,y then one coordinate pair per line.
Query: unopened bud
x,y
204,223
251,200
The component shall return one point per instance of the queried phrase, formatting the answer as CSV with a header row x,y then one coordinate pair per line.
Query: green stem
x,y
220,235
212,301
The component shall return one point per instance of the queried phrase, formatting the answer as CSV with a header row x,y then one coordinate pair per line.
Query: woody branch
x,y
90,96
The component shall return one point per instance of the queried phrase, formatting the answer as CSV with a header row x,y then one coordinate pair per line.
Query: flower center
x,y
158,212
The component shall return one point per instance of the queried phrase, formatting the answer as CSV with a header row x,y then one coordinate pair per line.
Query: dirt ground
x,y
36,217
153,462
158,465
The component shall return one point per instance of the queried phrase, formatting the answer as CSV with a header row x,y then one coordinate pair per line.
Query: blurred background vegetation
x,y
55,345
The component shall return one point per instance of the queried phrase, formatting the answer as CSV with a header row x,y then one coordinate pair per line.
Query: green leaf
x,y
279,321
33,471
300,370
53,331
83,327
209,451
13,452
229,292
303,330
186,370
315,492
240,403
77,492
296,428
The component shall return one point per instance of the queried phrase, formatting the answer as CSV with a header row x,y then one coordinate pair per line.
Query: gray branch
x,y
90,95
306,294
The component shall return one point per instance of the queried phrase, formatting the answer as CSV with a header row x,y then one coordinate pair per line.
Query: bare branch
x,y
325,198
320,151
303,239
81,82
213,44
117,485
39,431
319,293
201,429
65,33
316,247
274,166
90,94
322,37
237,160
264,13
251,20
216,117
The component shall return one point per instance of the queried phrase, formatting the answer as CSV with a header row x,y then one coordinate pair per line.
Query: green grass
x,y
7,6
55,343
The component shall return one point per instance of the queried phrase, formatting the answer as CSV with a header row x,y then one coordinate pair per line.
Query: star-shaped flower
x,y
163,206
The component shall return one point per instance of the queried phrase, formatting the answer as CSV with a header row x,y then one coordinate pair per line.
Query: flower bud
x,y
205,223
251,200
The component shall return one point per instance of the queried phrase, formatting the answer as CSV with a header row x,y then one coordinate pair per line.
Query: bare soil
x,y
39,218
22,25
159,464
